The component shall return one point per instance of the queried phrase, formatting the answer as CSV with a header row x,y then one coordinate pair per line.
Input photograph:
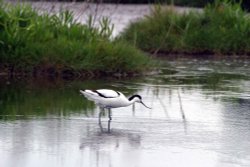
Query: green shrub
x,y
223,27
29,39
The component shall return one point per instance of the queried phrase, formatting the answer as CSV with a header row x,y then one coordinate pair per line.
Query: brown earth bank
x,y
203,53
10,71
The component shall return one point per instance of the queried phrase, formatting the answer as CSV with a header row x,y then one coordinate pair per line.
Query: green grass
x,y
30,40
222,28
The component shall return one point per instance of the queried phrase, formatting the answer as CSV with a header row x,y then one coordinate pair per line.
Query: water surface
x,y
200,117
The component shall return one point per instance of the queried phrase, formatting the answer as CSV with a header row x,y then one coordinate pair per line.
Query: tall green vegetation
x,y
223,28
29,39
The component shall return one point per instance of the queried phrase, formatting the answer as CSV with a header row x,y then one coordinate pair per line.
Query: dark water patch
x,y
210,80
24,99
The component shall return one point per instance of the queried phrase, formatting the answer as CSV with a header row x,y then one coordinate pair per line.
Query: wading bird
x,y
107,99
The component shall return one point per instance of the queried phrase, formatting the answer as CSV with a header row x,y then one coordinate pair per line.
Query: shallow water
x,y
200,117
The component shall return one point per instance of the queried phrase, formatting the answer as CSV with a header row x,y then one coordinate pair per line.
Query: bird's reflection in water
x,y
114,138
104,145
105,137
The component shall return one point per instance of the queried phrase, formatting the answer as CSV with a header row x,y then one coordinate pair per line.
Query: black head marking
x,y
132,97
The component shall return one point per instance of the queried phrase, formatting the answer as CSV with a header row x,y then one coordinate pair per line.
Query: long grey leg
x,y
109,121
110,114
99,119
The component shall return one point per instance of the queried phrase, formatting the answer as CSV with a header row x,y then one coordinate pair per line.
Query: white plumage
x,y
107,98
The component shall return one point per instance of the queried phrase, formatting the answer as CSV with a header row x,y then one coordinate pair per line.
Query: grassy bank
x,y
57,44
222,28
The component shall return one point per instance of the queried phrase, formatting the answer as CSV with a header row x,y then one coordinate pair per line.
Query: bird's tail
x,y
87,92
82,92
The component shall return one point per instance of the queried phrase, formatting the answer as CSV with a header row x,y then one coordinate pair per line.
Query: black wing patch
x,y
102,95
